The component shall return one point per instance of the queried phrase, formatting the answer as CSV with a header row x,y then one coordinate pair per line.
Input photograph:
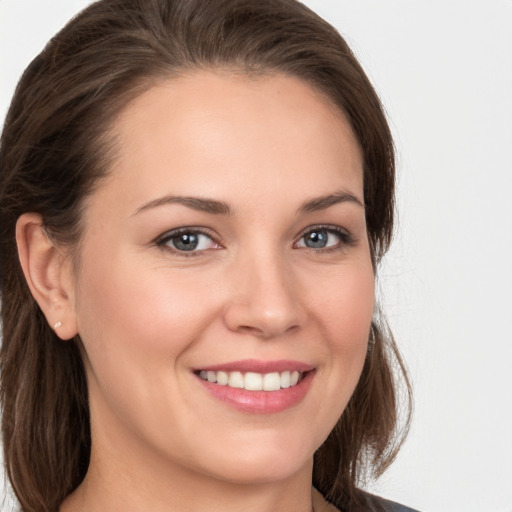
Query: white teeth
x,y
236,380
271,382
252,381
222,378
285,380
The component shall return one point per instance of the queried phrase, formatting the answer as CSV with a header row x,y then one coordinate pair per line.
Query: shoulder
x,y
372,503
368,503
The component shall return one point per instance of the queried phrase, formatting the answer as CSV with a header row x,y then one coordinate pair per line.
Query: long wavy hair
x,y
55,149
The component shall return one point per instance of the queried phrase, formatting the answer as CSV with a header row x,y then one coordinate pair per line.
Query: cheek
x,y
137,320
136,332
346,314
345,308
356,304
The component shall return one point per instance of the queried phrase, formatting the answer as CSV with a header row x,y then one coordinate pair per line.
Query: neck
x,y
132,481
97,496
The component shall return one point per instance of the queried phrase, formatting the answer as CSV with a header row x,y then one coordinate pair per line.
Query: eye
x,y
324,238
187,241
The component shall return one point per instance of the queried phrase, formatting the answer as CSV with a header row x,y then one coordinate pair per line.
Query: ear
x,y
49,274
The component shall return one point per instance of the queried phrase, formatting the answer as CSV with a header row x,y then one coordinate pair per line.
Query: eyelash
x,y
346,239
163,241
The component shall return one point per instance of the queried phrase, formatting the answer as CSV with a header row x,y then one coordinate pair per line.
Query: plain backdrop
x,y
443,69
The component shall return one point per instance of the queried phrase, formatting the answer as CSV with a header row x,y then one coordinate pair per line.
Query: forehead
x,y
209,132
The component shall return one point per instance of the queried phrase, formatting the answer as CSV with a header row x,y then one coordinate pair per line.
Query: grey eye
x,y
317,239
185,241
320,238
189,241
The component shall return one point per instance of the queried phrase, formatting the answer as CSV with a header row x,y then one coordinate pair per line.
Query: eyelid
x,y
346,237
162,240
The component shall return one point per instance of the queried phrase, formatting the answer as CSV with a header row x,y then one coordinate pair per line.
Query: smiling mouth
x,y
251,381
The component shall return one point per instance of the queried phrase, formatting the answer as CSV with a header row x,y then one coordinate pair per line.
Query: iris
x,y
186,241
316,239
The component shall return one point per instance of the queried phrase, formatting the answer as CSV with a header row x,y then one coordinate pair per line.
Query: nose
x,y
265,300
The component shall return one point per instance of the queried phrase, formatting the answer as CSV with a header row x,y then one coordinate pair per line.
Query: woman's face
x,y
228,244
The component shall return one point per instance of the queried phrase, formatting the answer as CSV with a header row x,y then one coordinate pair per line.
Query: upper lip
x,y
259,366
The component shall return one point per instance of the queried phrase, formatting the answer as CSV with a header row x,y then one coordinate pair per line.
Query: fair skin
x,y
272,274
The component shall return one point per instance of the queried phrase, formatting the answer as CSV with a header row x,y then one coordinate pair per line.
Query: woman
x,y
195,197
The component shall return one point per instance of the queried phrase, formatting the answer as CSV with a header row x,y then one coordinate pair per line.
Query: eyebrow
x,y
196,203
324,202
216,207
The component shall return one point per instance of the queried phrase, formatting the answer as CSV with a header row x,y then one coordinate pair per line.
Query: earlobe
x,y
48,272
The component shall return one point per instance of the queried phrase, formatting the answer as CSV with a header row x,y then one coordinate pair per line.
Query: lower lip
x,y
261,402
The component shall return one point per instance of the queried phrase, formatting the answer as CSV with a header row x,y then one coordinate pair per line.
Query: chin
x,y
252,464
257,473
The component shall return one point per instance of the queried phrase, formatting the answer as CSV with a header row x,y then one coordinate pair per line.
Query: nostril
x,y
267,332
264,308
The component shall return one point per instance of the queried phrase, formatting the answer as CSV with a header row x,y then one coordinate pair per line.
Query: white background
x,y
444,71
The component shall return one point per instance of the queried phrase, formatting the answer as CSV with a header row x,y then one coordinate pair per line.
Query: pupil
x,y
316,239
186,242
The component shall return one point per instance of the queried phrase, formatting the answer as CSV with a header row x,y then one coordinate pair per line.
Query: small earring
x,y
57,325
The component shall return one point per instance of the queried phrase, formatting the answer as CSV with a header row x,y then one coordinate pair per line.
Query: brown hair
x,y
54,150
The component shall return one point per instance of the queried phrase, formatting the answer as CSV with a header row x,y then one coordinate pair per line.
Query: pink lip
x,y
261,402
258,366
